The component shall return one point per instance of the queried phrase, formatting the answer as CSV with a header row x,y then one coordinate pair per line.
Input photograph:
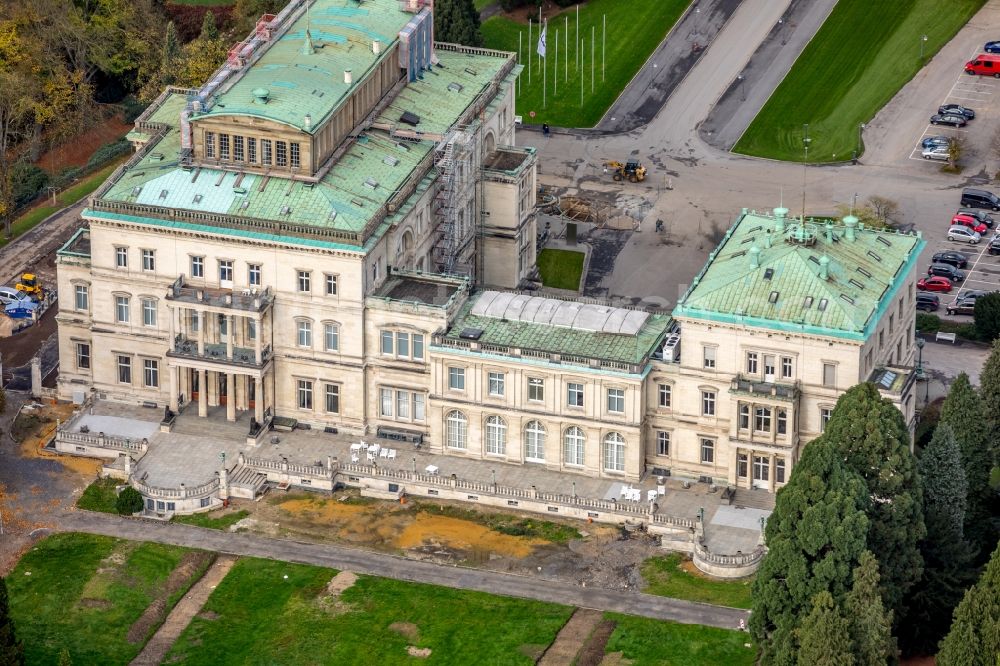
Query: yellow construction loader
x,y
31,285
632,170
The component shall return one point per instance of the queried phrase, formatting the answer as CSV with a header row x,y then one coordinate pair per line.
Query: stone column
x,y
770,473
201,331
231,397
229,336
36,377
258,340
172,314
258,396
202,391
174,382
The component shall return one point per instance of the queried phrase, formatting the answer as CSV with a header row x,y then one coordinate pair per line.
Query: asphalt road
x,y
400,568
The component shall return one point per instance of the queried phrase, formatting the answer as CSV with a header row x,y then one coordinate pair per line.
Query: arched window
x,y
614,452
534,442
496,436
456,430
573,443
491,143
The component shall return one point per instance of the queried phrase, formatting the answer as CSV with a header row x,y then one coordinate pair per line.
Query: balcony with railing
x,y
754,387
219,352
246,300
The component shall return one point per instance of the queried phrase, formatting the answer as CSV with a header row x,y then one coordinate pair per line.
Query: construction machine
x,y
31,285
635,172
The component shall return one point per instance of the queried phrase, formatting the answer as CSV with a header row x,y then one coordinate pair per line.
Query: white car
x,y
935,153
963,234
10,295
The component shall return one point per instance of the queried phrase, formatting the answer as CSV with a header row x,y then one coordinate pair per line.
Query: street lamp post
x,y
920,359
923,40
805,162
743,89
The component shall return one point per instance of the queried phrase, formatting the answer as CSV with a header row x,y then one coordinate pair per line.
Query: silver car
x,y
935,153
963,234
10,295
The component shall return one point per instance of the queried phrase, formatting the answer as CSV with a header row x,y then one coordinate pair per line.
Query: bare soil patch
x,y
592,653
208,615
102,604
190,565
76,151
616,659
406,630
340,582
571,638
414,651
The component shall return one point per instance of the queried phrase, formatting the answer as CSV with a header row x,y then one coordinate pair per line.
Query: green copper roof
x,y
631,348
300,83
773,272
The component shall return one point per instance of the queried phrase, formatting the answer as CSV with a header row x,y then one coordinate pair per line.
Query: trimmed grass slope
x,y
666,577
646,642
861,57
560,269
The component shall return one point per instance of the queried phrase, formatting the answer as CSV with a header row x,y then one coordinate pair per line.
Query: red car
x,y
969,221
935,283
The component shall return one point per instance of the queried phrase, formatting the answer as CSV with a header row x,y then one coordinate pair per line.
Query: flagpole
x,y
578,38
555,66
578,48
593,33
604,35
544,69
520,34
529,50
540,25
566,48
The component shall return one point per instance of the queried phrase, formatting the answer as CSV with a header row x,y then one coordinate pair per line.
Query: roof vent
x,y
136,190
856,283
286,210
332,216
455,87
864,272
371,183
822,304
469,70
376,46
358,202
261,95
874,256
772,297
847,298
197,198
779,219
471,333
768,273
245,204
824,267
410,118
850,226
390,160
307,121
808,302
164,193
348,77
402,146
755,256
883,240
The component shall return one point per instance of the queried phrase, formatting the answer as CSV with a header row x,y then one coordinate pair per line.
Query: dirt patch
x,y
463,535
406,630
208,615
340,582
571,637
532,651
102,604
191,564
616,659
414,651
592,653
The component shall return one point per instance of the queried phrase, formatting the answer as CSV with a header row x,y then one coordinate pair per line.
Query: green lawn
x,y
268,612
99,496
213,520
864,53
59,599
634,29
561,269
665,577
67,197
646,642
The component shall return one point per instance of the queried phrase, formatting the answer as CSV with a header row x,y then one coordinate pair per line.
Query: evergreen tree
x,y
974,639
989,391
11,650
814,536
870,434
987,317
457,21
171,52
870,625
823,636
209,30
964,411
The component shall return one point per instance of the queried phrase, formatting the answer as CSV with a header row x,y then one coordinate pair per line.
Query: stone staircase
x,y
246,482
754,499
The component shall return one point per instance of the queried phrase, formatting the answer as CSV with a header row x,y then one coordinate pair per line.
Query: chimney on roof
x,y
307,44
780,214
754,256
261,95
348,77
824,267
308,121
376,46
850,227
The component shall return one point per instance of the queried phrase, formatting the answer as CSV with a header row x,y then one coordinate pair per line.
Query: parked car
x,y
984,65
931,141
980,199
927,301
952,119
946,271
994,248
935,153
970,222
959,109
982,216
992,47
956,259
10,295
963,307
964,235
971,294
934,283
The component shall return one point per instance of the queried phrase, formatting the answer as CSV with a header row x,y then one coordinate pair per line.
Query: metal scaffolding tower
x,y
456,206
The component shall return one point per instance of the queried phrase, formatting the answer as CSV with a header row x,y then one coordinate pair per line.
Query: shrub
x,y
108,152
987,317
66,177
129,501
27,181
928,323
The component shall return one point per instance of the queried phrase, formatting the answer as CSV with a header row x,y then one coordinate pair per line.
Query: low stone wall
x,y
727,566
97,445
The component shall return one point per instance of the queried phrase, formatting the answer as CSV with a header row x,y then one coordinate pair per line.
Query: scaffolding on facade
x,y
456,206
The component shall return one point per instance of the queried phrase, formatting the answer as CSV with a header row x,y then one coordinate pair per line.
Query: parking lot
x,y
982,271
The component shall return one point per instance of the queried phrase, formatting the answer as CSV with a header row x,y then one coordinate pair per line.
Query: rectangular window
x,y
402,404
333,398
387,343
331,337
148,312
82,297
197,267
304,281
238,155
761,468
536,389
707,451
708,403
121,257
786,367
124,369
296,159
418,346
418,407
385,402
751,363
744,419
305,334
742,465
280,153
881,339
331,285
195,320
892,321
616,400
829,375
251,329
305,394
223,146
209,144
779,470
574,395
265,151
456,379
664,395
150,373
253,275
251,150
824,418
762,419
402,344
222,323
148,260
782,422
662,443
225,271
496,384
708,359
121,309
82,356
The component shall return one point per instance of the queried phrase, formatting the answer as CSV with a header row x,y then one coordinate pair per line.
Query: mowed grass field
x,y
634,29
561,269
667,577
864,53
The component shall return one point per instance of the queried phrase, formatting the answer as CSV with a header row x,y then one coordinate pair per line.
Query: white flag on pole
x,y
541,40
